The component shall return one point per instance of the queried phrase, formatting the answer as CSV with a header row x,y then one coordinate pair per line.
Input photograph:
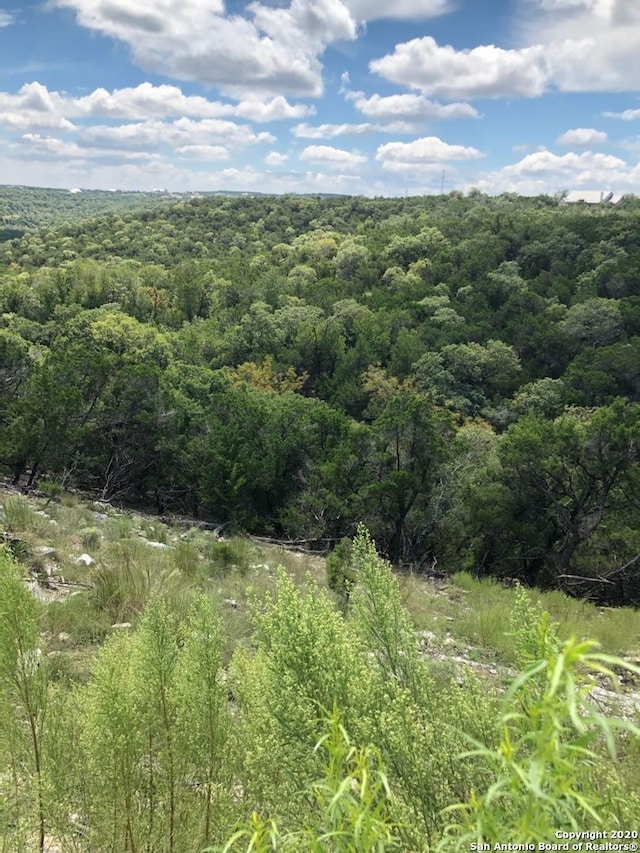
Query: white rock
x,y
121,626
153,544
85,560
45,550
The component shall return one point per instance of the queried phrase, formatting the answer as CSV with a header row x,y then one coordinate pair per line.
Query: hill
x,y
25,209
166,683
459,373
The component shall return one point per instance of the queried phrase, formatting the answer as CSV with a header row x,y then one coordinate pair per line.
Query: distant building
x,y
591,197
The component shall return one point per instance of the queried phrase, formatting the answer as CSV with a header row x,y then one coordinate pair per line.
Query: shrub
x,y
351,805
18,514
91,538
547,766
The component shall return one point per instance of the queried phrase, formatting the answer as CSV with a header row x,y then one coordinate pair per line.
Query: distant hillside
x,y
27,208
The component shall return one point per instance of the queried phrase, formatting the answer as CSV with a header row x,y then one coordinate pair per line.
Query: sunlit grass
x,y
473,616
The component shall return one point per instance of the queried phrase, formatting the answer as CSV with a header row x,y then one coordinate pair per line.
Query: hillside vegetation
x,y
461,374
163,689
25,209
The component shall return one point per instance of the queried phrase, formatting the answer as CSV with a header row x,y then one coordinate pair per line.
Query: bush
x,y
547,769
91,538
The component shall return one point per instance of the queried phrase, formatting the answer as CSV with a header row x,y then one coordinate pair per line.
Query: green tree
x,y
407,444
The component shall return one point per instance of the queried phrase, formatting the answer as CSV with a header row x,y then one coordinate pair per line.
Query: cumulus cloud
x,y
483,72
545,172
273,50
32,107
37,145
178,133
408,107
203,152
331,157
570,45
430,150
36,105
592,44
330,131
626,115
276,158
149,101
583,137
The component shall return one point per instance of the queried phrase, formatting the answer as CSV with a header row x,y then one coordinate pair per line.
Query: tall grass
x,y
130,574
488,606
19,516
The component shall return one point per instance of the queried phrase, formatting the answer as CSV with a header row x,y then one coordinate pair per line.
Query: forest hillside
x,y
434,403
460,374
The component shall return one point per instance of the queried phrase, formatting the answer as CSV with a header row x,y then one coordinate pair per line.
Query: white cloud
x,y
408,107
331,131
632,145
275,50
35,105
275,158
178,133
203,152
32,107
430,150
545,172
331,157
592,44
6,19
276,109
484,72
583,166
149,101
570,45
583,137
627,115
63,149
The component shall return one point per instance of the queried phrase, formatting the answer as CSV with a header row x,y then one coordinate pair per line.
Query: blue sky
x,y
375,97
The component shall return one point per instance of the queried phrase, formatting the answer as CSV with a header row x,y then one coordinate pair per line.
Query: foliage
x,y
23,704
295,366
149,741
350,804
547,764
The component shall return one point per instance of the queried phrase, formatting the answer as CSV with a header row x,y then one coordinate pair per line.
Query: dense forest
x,y
25,208
451,382
460,374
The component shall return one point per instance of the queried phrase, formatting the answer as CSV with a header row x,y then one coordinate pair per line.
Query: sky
x,y
368,97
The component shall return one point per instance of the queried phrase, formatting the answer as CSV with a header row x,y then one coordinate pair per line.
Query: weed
x,y
229,554
18,513
118,528
91,538
186,559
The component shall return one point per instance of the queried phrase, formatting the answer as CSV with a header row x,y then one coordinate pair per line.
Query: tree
x,y
596,322
564,482
407,445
